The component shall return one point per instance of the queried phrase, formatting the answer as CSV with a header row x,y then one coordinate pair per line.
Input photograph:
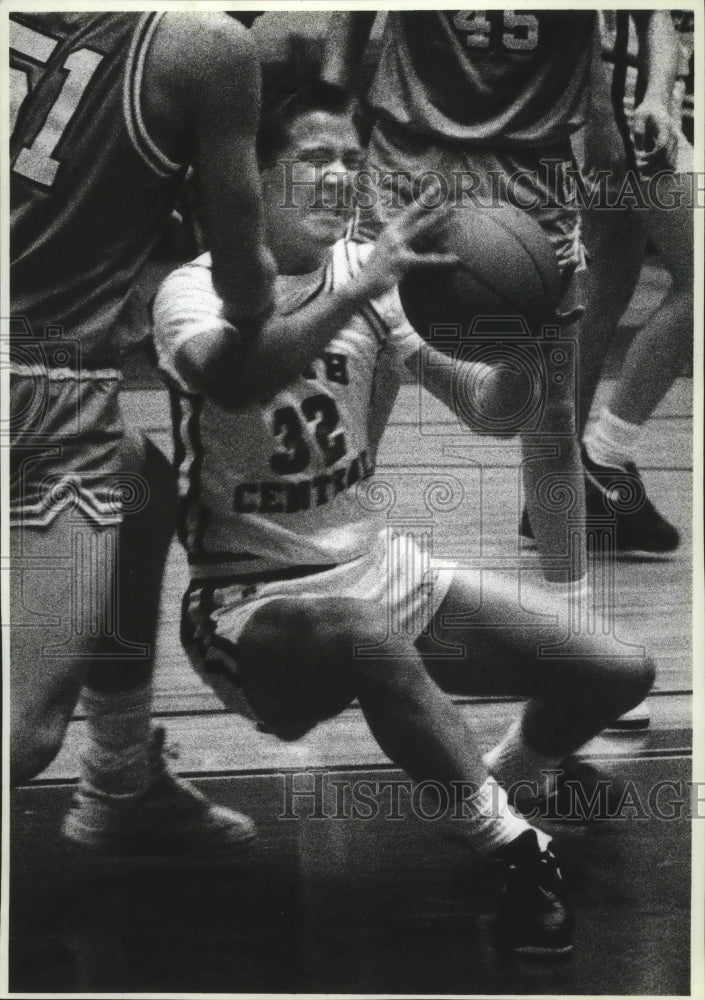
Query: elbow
x,y
234,393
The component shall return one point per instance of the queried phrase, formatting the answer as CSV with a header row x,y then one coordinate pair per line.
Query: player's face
x,y
308,193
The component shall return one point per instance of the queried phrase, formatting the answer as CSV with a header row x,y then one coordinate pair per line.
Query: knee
x,y
323,630
296,661
643,679
627,682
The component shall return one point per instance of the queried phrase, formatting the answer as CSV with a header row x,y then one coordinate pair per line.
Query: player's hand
x,y
405,243
655,138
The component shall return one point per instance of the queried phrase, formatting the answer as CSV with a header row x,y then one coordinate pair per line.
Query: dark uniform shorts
x,y
66,445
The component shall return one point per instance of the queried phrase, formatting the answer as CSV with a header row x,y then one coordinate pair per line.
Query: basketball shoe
x,y
638,526
170,817
535,917
638,529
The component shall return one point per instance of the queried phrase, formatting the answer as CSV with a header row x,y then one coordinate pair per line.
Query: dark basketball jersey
x,y
89,189
500,78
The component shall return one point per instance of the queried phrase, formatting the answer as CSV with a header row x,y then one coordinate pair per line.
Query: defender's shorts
x,y
537,180
396,574
66,445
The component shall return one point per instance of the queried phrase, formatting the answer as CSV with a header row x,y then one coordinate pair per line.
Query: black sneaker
x,y
620,494
617,497
535,918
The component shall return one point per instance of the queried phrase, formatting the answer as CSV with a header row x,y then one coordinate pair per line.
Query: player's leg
x,y
294,685
417,726
574,688
127,800
118,691
540,178
343,650
53,615
663,345
555,425
63,544
657,354
614,240
661,348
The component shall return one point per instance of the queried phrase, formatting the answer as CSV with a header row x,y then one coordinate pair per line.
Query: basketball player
x,y
108,110
616,242
488,95
615,144
293,586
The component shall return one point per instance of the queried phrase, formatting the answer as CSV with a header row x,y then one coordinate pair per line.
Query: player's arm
x,y
216,359
227,177
483,396
486,398
202,101
654,135
346,39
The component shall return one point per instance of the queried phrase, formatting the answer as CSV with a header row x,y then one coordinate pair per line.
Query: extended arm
x,y
202,99
487,398
218,360
347,37
654,135
214,358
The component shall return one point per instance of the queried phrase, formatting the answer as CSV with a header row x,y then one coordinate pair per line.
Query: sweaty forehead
x,y
323,128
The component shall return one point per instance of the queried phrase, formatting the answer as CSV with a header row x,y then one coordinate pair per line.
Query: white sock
x,y
115,759
513,760
611,441
489,822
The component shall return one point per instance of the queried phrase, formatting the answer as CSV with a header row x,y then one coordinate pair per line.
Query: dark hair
x,y
279,109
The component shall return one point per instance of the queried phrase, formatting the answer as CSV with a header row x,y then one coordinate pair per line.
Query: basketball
x,y
508,273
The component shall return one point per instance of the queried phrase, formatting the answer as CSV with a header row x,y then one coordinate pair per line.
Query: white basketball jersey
x,y
277,485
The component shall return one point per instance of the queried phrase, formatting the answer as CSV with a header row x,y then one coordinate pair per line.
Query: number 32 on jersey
x,y
516,32
37,161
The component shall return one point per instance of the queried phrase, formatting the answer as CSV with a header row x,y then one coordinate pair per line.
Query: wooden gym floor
x,y
378,905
